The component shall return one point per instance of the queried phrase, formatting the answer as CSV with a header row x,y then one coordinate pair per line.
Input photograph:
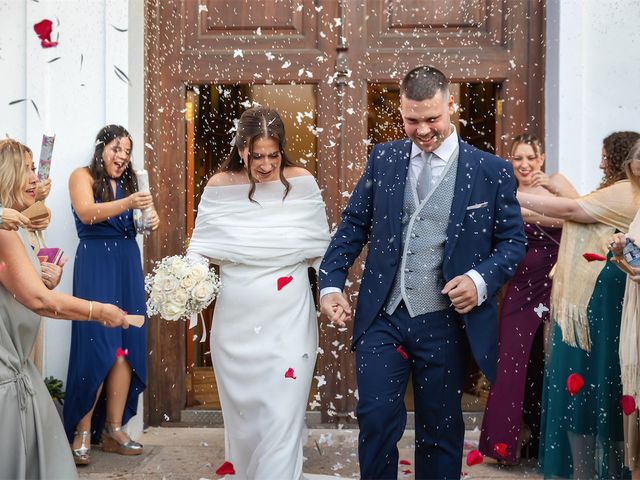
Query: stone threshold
x,y
213,418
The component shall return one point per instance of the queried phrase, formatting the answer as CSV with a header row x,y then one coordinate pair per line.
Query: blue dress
x,y
107,269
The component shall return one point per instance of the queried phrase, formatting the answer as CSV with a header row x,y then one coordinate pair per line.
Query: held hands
x,y
336,306
109,315
462,293
12,220
141,200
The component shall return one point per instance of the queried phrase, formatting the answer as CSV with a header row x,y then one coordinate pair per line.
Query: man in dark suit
x,y
445,233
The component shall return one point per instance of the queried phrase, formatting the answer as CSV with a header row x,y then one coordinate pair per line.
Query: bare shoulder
x,y
291,172
558,177
227,178
81,174
9,243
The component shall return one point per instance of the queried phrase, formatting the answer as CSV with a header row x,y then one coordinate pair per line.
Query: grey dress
x,y
33,441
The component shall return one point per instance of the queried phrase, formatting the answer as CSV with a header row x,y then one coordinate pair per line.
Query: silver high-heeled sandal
x,y
111,445
82,455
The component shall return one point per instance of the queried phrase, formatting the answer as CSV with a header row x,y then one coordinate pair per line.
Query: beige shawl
x,y
629,332
574,278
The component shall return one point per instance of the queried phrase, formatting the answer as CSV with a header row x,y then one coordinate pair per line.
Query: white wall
x,y
75,100
593,73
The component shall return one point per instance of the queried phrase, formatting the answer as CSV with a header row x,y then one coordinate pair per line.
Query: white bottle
x,y
142,218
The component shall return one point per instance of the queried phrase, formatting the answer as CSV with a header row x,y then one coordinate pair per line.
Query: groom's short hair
x,y
422,83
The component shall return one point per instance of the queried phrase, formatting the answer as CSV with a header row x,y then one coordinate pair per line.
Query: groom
x,y
444,232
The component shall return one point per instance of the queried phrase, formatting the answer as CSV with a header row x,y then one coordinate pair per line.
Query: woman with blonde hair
x,y
33,440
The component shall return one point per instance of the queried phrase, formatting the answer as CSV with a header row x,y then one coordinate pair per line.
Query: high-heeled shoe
x,y
82,455
111,445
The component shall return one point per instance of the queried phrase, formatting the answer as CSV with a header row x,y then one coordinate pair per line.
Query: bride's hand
x,y
336,306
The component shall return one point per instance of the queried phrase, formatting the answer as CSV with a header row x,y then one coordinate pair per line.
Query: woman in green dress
x,y
581,432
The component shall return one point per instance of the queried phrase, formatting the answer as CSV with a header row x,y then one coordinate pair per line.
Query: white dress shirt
x,y
439,159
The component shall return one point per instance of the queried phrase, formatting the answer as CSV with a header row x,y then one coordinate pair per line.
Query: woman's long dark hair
x,y
255,123
616,148
101,186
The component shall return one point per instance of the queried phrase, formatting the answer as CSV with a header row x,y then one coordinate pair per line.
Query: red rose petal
x,y
43,29
474,457
591,257
500,449
574,383
628,404
284,281
401,351
406,472
48,44
405,462
226,469
289,374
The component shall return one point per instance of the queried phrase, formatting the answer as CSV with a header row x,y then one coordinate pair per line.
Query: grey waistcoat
x,y
419,280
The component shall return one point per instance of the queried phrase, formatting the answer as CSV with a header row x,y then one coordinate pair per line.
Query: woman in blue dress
x,y
107,367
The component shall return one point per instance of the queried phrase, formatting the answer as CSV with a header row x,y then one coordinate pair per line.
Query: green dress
x,y
582,436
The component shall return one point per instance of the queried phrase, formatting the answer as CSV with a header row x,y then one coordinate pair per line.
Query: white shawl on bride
x,y
272,232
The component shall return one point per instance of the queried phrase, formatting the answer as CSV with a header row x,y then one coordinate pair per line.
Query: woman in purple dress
x,y
512,413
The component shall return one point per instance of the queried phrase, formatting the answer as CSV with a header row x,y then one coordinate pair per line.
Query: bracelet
x,y
90,311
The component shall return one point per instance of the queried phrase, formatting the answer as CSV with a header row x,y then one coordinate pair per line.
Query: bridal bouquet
x,y
180,287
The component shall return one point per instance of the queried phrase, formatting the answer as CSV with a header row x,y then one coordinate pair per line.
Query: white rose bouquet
x,y
180,287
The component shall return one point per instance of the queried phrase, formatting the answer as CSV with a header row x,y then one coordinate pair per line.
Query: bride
x,y
262,219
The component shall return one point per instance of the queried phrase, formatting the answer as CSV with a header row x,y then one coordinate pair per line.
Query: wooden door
x,y
343,48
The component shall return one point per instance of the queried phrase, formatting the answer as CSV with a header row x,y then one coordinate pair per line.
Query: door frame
x,y
514,61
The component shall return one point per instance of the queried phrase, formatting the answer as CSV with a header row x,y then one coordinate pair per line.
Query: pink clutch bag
x,y
50,255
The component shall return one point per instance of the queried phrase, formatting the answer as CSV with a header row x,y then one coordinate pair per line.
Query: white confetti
x,y
540,309
238,53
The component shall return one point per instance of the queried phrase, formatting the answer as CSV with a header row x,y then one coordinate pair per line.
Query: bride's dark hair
x,y
255,123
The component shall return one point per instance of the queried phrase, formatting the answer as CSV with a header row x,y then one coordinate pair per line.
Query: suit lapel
x,y
397,183
465,180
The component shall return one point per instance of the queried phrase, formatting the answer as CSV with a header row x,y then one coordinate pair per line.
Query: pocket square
x,y
477,205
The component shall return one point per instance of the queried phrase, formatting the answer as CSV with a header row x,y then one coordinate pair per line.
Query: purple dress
x,y
515,395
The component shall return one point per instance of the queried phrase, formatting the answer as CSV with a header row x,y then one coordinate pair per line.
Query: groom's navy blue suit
x,y
489,239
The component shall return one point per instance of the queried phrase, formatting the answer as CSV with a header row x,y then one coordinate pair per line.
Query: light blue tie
x,y
423,184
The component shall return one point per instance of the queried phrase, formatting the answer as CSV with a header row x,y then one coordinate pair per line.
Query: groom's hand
x,y
336,306
462,293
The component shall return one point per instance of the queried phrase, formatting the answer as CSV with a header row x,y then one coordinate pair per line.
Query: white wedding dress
x,y
264,335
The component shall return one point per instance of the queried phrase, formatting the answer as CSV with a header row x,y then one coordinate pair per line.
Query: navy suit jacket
x,y
485,233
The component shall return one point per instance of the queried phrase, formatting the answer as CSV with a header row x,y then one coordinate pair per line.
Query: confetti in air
x,y
43,31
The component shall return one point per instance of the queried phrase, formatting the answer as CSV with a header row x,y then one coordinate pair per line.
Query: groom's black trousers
x,y
437,351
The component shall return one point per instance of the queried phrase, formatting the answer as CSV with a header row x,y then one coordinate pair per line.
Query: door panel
x,y
341,49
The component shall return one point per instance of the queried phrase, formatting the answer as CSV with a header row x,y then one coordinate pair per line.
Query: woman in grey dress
x,y
33,441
